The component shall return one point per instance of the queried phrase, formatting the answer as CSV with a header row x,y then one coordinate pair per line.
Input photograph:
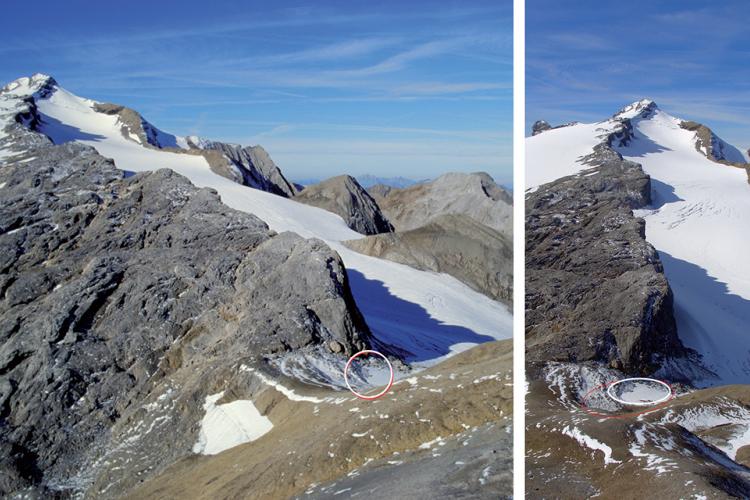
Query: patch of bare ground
x,y
314,443
570,454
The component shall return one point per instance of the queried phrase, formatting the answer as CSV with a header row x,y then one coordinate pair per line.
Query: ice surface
x,y
325,369
639,391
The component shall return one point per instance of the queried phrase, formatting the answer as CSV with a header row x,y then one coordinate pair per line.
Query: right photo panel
x,y
637,250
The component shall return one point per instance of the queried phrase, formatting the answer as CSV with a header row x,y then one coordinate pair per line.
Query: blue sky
x,y
388,88
586,59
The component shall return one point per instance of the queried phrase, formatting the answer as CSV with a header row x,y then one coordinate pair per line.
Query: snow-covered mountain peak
x,y
643,109
28,85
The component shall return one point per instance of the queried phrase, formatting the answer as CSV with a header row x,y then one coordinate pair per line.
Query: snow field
x,y
228,425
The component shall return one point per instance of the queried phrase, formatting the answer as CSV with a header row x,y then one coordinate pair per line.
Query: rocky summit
x,y
255,166
251,166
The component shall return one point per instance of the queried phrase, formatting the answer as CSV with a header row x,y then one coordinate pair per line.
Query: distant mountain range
x,y
368,180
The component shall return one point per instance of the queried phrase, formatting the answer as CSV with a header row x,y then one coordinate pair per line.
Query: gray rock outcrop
x,y
124,301
257,168
709,144
539,127
457,245
379,190
344,196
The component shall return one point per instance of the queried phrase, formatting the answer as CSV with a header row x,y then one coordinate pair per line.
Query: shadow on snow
x,y
710,319
60,133
404,327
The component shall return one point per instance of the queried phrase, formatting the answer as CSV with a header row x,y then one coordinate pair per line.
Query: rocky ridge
x,y
710,145
540,126
250,166
257,168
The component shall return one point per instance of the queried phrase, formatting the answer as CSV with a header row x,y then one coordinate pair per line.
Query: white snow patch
x,y
654,462
590,442
228,425
290,394
429,444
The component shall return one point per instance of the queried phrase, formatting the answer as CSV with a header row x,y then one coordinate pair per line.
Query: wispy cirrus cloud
x,y
336,51
307,68
584,64
358,79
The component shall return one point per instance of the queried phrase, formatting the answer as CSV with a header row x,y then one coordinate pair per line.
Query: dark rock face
x,y
115,290
595,288
256,166
539,127
453,244
344,196
133,123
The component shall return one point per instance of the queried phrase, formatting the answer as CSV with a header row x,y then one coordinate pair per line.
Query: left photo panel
x,y
257,250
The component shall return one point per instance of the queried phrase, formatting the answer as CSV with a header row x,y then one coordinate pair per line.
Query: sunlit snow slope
x,y
430,315
698,222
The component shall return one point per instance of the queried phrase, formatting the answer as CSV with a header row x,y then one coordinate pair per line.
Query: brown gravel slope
x,y
313,443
